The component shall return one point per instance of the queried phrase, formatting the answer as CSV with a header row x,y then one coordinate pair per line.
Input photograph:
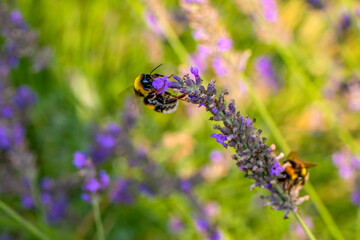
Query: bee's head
x,y
142,85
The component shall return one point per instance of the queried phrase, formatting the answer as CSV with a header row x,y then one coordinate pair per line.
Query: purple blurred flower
x,y
79,159
216,156
18,134
7,112
46,184
317,4
175,224
224,44
218,66
219,138
120,193
269,8
185,185
27,201
104,179
4,138
153,23
266,71
161,83
16,16
24,97
276,169
86,197
355,163
105,140
343,161
5,237
143,188
92,185
215,236
46,198
202,224
345,21
355,197
57,209
113,128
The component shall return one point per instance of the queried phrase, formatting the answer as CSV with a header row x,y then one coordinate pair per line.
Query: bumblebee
x,y
295,172
160,102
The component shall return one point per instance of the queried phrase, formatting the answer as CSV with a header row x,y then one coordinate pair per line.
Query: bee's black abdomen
x,y
164,103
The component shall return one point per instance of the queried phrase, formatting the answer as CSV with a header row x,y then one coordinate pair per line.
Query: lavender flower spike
x,y
256,159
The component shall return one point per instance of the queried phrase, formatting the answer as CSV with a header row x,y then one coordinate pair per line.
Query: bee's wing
x,y
124,93
293,156
309,164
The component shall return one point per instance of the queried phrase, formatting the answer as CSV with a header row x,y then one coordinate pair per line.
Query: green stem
x,y
26,224
97,216
304,226
324,213
357,234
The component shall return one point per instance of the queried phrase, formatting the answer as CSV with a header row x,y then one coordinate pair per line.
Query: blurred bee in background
x,y
295,172
164,102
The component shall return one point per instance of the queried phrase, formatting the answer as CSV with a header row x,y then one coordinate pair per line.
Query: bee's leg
x,y
182,96
171,76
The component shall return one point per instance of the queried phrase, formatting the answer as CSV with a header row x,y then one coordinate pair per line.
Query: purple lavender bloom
x,y
99,154
57,210
121,194
266,71
269,8
5,237
24,97
143,188
161,83
185,185
86,197
79,159
46,184
224,44
16,17
276,169
153,23
253,155
7,112
27,202
215,236
105,140
216,156
219,138
345,21
4,139
355,197
202,224
355,163
104,179
46,198
175,224
113,128
18,134
92,185
195,71
13,61
317,4
218,66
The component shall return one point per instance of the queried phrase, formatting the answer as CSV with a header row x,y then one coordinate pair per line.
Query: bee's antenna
x,y
156,68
